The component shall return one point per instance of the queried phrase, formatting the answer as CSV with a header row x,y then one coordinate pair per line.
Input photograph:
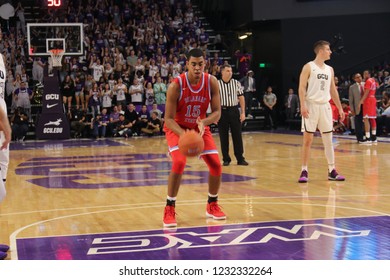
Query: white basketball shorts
x,y
320,116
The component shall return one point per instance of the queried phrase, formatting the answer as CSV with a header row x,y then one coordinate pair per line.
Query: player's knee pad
x,y
178,162
214,164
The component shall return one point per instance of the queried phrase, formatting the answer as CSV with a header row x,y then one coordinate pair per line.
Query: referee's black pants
x,y
230,119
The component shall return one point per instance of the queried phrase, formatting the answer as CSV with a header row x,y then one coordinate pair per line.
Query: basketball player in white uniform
x,y
5,139
316,88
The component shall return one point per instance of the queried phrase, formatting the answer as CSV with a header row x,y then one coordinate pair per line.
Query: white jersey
x,y
4,154
97,71
153,70
137,97
165,70
120,92
3,78
3,106
318,89
106,99
176,70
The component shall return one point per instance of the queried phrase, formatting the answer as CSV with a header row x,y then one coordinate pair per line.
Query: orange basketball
x,y
191,143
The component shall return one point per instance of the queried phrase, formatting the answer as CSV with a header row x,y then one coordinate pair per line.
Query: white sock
x,y
2,190
328,147
367,135
304,167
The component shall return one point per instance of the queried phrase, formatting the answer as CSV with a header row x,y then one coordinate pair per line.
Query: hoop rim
x,y
56,51
56,56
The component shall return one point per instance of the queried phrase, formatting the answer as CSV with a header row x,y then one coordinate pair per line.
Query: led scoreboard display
x,y
56,4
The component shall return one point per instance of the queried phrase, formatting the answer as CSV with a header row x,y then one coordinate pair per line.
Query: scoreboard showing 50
x,y
56,4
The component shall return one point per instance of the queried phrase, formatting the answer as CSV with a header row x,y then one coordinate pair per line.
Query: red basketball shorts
x,y
369,108
209,144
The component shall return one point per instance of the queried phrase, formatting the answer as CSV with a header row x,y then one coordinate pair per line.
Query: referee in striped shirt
x,y
231,118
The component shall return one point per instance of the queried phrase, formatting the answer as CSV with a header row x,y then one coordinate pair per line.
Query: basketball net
x,y
56,57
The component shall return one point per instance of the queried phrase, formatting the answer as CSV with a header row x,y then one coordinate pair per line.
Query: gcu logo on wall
x,y
52,97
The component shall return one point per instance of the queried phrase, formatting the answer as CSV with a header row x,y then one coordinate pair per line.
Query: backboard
x,y
41,37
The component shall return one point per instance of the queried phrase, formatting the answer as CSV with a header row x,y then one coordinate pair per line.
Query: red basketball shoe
x,y
214,211
169,219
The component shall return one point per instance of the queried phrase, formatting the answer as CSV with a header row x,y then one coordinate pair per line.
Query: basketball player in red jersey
x,y
369,106
188,98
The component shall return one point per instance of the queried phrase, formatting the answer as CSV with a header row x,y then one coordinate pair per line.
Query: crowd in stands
x,y
133,50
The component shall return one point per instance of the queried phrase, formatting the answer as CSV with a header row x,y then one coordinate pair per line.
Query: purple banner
x,y
52,123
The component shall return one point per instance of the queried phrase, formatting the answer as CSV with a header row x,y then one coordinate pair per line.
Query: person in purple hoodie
x,y
143,119
99,124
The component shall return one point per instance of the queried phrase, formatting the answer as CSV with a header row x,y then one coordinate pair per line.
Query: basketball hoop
x,y
56,57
